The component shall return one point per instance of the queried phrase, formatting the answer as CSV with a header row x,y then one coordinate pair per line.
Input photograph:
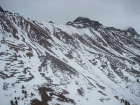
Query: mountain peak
x,y
1,9
85,20
131,30
82,19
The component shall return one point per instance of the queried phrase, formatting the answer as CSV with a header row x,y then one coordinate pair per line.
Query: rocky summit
x,y
77,63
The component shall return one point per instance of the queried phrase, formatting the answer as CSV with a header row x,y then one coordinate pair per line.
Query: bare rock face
x,y
80,63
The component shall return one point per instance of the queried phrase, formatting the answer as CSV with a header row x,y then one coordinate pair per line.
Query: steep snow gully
x,y
77,63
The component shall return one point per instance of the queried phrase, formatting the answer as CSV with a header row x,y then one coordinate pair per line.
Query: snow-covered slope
x,y
78,63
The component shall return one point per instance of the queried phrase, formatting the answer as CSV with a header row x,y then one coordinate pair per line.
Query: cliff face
x,y
81,62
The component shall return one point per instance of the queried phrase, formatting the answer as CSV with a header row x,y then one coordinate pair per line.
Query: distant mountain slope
x,y
77,63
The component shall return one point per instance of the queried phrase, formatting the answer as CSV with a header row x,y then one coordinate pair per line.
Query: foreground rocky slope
x,y
79,63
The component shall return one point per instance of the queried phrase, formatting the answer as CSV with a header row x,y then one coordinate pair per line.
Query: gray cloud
x,y
117,13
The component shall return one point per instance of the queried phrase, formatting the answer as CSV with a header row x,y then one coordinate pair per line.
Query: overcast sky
x,y
117,13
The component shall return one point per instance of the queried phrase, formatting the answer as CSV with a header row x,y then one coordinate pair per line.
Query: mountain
x,y
77,63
